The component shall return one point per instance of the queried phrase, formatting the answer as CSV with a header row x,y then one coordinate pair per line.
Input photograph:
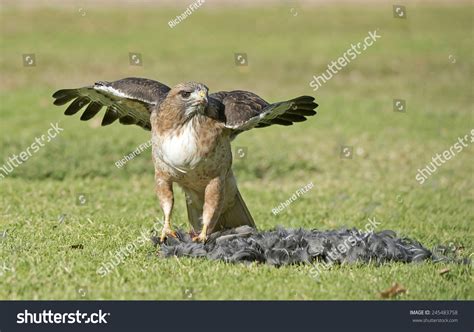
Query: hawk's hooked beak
x,y
202,94
197,103
199,97
201,100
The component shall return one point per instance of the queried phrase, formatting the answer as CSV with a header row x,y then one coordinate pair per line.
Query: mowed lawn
x,y
68,208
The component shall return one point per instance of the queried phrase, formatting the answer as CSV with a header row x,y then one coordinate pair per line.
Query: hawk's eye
x,y
185,94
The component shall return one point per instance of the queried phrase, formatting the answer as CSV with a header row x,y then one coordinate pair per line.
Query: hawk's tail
x,y
235,216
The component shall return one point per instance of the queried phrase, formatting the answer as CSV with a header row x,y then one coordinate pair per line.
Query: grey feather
x,y
294,246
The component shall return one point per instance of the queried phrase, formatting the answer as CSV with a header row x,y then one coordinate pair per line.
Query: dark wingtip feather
x,y
127,120
303,106
292,117
76,105
303,99
64,92
64,100
281,122
303,112
110,116
91,111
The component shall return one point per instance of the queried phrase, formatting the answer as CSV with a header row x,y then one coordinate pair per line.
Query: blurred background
x,y
273,48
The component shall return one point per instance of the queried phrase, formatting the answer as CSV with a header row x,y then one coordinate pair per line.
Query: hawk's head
x,y
189,98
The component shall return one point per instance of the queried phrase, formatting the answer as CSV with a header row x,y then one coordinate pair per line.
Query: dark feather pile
x,y
292,246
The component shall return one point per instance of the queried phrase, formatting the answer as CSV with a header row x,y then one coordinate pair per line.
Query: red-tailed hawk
x,y
191,135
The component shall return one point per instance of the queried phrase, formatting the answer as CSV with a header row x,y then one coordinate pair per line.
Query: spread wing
x,y
243,110
131,100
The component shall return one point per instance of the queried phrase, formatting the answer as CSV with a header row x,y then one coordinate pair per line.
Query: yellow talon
x,y
166,232
202,237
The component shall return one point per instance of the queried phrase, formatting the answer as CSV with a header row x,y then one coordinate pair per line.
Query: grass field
x,y
68,208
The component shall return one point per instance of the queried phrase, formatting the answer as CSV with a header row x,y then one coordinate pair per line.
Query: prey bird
x,y
192,132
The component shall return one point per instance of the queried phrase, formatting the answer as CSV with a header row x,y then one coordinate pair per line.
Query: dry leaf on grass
x,y
393,291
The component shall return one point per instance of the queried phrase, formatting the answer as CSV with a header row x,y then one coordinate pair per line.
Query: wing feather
x,y
131,100
76,105
92,109
243,110
111,114
64,99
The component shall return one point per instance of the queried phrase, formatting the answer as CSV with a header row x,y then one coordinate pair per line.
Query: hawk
x,y
192,132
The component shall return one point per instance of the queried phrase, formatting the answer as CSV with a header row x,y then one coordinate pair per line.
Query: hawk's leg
x,y
213,201
164,191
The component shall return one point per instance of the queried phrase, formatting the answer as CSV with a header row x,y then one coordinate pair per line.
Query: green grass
x,y
411,61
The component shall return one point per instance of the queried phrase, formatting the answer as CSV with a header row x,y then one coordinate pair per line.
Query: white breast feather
x,y
180,150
